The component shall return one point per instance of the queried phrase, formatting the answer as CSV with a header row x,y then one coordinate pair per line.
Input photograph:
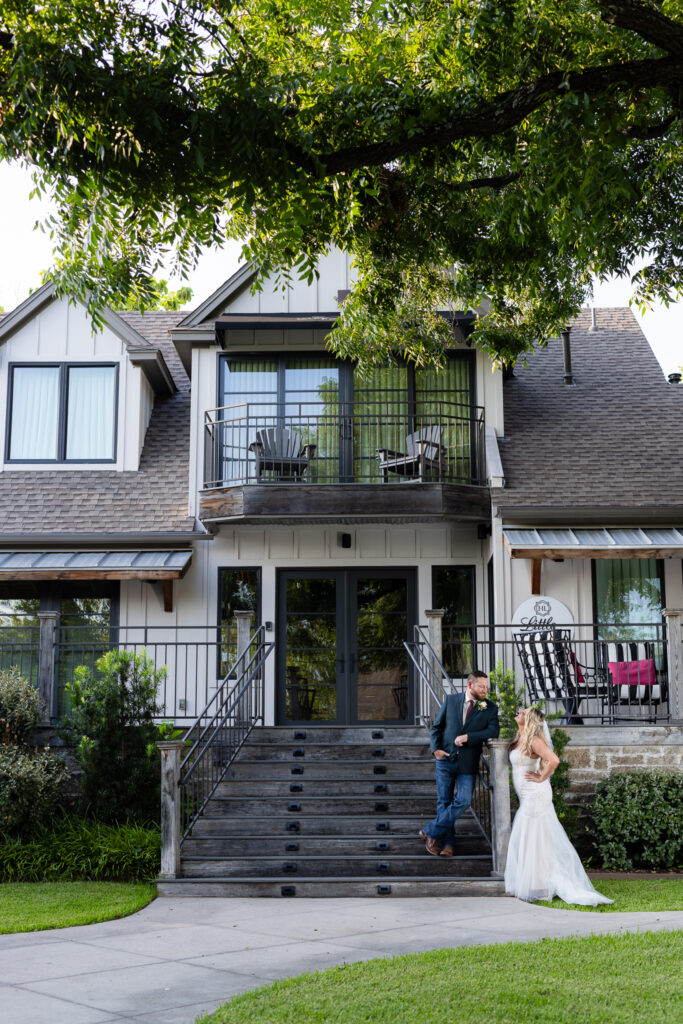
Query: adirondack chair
x,y
423,454
280,450
636,680
552,672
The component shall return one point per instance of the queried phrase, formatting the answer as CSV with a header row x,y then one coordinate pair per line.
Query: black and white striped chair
x,y
635,679
553,673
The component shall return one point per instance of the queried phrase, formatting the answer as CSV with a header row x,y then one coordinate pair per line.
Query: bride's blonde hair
x,y
533,727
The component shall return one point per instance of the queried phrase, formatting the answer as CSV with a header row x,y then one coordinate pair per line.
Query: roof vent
x,y
566,348
674,378
594,320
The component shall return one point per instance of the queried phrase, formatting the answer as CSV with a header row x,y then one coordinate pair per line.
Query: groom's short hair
x,y
477,674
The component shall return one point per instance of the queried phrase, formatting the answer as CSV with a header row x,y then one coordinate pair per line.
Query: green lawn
x,y
33,906
622,979
636,894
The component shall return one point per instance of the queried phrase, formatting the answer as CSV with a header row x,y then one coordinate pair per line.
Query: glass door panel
x,y
381,418
312,411
310,638
340,646
443,399
381,627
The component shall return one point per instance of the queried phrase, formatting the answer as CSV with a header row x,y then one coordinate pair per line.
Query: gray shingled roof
x,y
612,442
155,327
153,500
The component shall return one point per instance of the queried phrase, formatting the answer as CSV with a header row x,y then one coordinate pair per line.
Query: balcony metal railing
x,y
345,441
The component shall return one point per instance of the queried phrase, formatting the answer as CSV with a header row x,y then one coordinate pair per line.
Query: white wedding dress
x,y
541,862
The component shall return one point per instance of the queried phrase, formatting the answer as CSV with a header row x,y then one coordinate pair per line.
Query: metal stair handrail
x,y
221,729
430,675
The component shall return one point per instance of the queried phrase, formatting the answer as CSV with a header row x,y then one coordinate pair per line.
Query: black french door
x,y
341,658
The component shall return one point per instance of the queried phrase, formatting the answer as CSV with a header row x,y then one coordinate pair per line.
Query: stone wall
x,y
594,753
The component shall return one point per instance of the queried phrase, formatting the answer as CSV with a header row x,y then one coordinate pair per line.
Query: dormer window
x,y
62,412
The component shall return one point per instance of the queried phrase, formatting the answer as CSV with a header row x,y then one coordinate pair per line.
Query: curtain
x,y
312,410
443,398
381,418
90,412
35,412
628,591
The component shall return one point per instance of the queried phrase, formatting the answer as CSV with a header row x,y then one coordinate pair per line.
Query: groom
x,y
464,722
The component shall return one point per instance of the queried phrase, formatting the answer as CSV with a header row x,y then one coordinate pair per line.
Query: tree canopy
x,y
487,154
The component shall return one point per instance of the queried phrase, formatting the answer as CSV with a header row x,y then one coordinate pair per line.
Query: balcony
x,y
308,462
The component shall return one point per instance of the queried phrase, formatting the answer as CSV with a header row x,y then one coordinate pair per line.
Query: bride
x,y
541,862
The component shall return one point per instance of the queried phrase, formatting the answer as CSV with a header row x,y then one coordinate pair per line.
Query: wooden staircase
x,y
324,811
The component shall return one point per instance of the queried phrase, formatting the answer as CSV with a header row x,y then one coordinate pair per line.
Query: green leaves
x,y
524,145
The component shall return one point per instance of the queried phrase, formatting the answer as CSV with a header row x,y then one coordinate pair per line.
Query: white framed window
x,y
62,412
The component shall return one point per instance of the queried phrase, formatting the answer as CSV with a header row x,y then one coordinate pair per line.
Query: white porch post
x,y
500,804
435,623
674,651
171,820
244,618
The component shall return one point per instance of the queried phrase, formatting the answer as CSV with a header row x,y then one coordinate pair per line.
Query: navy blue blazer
x,y
479,727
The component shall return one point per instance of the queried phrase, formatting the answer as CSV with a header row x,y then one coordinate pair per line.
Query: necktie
x,y
470,705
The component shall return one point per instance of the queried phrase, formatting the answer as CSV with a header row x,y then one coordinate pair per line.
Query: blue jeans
x,y
449,807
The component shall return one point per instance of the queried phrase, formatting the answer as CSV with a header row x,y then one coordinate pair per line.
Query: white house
x,y
170,470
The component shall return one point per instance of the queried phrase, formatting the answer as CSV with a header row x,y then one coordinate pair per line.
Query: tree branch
x,y
507,111
645,21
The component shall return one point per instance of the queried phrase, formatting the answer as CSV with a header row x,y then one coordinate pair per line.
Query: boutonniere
x,y
481,704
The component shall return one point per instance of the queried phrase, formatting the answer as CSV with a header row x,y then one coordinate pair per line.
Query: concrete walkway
x,y
181,957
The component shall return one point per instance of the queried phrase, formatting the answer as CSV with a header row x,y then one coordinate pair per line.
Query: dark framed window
x,y
238,590
453,589
347,418
628,597
62,412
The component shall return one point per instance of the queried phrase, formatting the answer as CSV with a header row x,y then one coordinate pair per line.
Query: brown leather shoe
x,y
432,846
447,851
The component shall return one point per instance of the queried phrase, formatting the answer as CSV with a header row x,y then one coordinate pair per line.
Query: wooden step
x,y
342,888
378,769
304,804
306,752
297,785
340,867
328,734
288,847
321,824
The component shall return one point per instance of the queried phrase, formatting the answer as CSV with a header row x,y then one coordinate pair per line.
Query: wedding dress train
x,y
541,862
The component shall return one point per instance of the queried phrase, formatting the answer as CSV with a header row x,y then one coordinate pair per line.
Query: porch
x,y
588,675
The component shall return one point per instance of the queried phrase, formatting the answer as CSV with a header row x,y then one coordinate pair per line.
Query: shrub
x,y
561,784
20,708
508,698
639,819
29,788
111,727
81,849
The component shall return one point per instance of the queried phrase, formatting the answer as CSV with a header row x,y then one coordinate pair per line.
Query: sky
x,y
25,253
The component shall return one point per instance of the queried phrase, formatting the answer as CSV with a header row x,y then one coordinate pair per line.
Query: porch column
x,y
435,623
47,635
244,713
171,811
674,652
500,804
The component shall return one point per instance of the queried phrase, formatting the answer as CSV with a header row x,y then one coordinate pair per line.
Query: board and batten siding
x,y
271,548
62,332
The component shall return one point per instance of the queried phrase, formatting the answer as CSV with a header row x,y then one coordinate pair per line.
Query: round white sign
x,y
542,613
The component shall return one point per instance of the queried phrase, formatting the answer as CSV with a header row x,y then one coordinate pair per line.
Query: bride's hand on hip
x,y
534,777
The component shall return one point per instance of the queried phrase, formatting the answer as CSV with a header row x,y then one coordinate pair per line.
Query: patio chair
x,y
636,681
424,454
280,450
552,672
